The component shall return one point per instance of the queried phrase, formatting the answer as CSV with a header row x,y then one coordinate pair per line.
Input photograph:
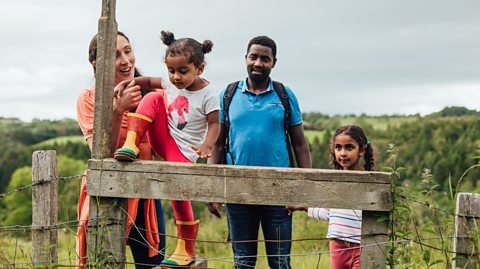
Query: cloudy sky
x,y
340,57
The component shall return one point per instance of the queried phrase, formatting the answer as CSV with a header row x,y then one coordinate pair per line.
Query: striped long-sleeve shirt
x,y
344,224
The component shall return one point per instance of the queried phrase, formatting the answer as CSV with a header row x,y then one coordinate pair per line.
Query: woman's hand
x,y
126,96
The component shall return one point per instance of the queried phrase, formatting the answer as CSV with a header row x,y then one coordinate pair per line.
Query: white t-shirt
x,y
187,115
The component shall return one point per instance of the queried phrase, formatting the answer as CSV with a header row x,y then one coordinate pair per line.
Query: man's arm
x,y
218,152
300,146
218,149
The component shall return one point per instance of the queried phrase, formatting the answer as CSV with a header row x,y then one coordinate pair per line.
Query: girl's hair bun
x,y
207,46
167,37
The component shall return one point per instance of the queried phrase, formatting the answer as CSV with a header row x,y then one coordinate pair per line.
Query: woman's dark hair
x,y
92,52
193,50
357,134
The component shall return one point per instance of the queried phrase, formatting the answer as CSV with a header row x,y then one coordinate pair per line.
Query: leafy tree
x,y
18,206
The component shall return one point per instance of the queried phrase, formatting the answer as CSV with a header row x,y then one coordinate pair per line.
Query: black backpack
x,y
280,90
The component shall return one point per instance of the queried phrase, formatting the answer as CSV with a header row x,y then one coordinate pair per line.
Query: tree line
x,y
444,142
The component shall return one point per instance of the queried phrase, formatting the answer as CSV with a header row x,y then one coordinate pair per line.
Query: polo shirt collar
x,y
269,89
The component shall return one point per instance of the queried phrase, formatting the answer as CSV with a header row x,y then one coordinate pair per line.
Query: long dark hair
x,y
357,134
92,52
92,56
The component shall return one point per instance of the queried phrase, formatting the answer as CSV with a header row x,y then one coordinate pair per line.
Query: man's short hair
x,y
264,41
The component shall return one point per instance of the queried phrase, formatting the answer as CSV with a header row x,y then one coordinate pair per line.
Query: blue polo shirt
x,y
257,135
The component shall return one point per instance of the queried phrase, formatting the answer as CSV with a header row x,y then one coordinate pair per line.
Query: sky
x,y
340,57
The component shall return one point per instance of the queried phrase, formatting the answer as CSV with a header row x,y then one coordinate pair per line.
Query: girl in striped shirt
x,y
349,145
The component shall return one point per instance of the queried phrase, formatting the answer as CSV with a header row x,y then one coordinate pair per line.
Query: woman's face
x,y
124,61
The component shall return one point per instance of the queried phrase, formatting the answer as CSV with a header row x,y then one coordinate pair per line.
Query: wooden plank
x,y
374,238
107,233
44,208
240,171
467,222
247,185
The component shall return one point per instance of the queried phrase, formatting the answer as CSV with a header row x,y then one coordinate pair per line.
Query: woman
x,y
148,242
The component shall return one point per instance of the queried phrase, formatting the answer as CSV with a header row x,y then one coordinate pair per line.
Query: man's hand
x,y
293,208
214,209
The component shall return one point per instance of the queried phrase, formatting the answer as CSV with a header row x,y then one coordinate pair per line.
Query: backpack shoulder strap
x,y
227,99
282,94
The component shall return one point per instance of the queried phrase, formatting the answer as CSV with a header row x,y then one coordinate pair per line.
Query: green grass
x,y
378,123
211,244
62,140
311,135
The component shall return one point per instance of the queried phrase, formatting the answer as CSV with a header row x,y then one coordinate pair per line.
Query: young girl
x,y
181,131
349,145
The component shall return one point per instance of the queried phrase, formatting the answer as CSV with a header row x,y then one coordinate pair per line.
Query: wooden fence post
x,y
374,238
467,231
44,207
107,223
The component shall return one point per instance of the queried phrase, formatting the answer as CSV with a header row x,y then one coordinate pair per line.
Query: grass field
x,y
62,140
15,247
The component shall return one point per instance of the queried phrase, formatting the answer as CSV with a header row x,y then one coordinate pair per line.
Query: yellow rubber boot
x,y
184,254
138,125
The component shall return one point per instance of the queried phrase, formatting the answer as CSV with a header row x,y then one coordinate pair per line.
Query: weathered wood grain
x,y
245,185
106,235
104,80
374,238
44,208
467,223
240,171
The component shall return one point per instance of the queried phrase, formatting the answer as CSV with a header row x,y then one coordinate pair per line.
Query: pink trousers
x,y
153,106
344,254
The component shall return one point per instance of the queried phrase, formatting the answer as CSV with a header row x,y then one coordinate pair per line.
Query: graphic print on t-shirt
x,y
178,111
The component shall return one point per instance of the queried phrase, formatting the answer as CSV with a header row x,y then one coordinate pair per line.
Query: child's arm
x,y
213,129
319,213
149,82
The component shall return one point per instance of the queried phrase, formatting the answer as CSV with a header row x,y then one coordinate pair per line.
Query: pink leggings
x,y
153,106
344,254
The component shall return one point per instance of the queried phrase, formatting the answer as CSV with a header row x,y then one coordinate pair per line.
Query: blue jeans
x,y
139,246
245,220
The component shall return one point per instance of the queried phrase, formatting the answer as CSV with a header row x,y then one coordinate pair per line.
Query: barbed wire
x,y
75,223
427,205
229,258
3,195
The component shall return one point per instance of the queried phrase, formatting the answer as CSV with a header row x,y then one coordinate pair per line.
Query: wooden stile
x,y
368,191
241,184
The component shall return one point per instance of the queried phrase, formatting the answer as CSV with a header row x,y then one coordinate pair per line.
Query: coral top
x,y
85,115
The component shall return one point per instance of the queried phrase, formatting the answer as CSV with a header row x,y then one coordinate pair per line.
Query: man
x,y
256,135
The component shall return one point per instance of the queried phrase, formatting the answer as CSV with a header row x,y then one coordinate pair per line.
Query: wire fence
x,y
69,227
